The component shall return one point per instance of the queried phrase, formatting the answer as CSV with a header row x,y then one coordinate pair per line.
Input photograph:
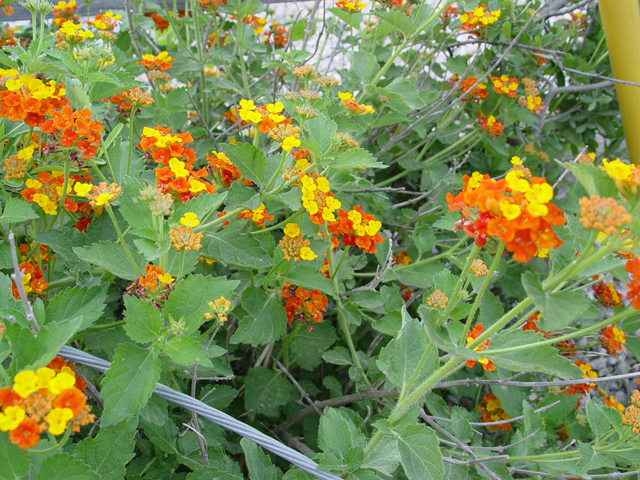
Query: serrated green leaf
x,y
109,452
598,421
186,351
233,245
189,299
307,347
558,309
405,90
307,277
136,211
385,456
143,321
356,158
62,241
267,388
128,383
396,18
14,461
321,130
241,195
595,181
460,426
266,322
250,161
338,356
202,205
402,356
87,302
340,439
424,238
419,453
258,463
62,466
112,258
17,210
542,359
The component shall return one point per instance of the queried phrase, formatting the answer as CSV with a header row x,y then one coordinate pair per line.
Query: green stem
x,y
218,221
281,224
181,266
272,271
56,446
63,194
578,333
341,320
122,242
275,174
404,405
106,325
460,282
130,142
483,288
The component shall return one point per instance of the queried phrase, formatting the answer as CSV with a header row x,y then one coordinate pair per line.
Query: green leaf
x,y
356,158
460,426
321,130
62,241
558,309
419,453
397,19
209,473
5,257
406,90
385,456
136,211
109,452
424,238
189,299
241,195
266,322
36,352
62,466
308,277
233,245
490,310
401,358
154,419
595,181
202,206
340,440
112,258
338,356
17,210
307,347
542,359
596,418
87,302
14,461
258,463
352,19
143,320
267,388
186,351
129,382
250,161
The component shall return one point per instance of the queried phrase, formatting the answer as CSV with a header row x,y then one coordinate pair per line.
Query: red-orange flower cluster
x,y
175,176
75,129
490,125
28,99
514,210
471,336
355,227
584,388
154,284
65,12
491,411
222,169
475,95
303,305
607,294
612,339
633,287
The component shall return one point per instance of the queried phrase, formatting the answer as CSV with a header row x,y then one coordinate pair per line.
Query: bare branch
x,y
206,127
555,383
501,422
304,394
464,447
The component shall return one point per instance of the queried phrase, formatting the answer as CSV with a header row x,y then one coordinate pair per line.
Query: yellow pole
x,y
621,20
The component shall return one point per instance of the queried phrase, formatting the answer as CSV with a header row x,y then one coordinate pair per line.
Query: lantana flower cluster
x,y
477,19
303,305
515,210
40,401
355,227
472,334
491,410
